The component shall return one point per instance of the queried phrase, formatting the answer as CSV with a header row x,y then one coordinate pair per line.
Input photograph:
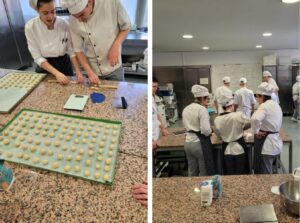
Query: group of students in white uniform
x,y
236,114
92,37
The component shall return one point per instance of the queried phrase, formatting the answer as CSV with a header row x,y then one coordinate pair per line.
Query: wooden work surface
x,y
178,141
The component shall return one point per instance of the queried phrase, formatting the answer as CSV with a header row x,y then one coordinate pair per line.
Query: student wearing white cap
x,y
49,42
229,126
296,99
98,29
244,100
197,145
267,77
222,90
266,122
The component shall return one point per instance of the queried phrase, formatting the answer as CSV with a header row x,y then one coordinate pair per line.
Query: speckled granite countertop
x,y
52,97
173,199
42,196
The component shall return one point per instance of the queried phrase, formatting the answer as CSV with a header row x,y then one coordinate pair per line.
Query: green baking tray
x,y
82,147
19,85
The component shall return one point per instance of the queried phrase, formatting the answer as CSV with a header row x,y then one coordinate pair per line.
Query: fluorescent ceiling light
x,y
258,46
205,48
290,1
267,34
187,36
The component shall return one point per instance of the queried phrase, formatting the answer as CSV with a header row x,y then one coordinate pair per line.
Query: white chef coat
x,y
195,117
155,121
96,36
296,91
244,98
268,117
43,42
221,91
274,96
229,128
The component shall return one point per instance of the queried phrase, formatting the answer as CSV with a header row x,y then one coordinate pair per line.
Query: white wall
x,y
235,64
217,57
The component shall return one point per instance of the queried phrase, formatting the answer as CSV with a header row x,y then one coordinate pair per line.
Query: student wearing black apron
x,y
198,148
266,122
49,42
229,126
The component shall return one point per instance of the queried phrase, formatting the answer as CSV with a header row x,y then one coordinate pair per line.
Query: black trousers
x,y
236,164
62,64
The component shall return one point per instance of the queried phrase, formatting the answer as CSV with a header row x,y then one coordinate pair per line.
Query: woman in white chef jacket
x,y
296,99
266,122
49,42
197,146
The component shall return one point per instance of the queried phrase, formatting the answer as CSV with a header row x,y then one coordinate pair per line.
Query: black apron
x,y
258,145
240,141
62,64
207,152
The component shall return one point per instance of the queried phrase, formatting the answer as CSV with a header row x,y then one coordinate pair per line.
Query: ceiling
x,y
224,25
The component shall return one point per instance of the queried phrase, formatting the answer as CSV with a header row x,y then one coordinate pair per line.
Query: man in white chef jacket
x,y
220,91
98,29
157,124
266,122
296,99
244,100
267,77
229,126
197,146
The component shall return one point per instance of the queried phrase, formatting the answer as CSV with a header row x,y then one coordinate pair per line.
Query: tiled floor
x,y
293,130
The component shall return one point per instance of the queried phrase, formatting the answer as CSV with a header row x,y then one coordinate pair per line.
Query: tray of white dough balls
x,y
15,86
81,147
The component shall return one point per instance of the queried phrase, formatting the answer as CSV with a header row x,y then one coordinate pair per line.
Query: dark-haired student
x,y
49,42
266,123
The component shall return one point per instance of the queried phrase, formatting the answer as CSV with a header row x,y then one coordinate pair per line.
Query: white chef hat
x,y
298,78
265,89
227,102
199,91
226,80
267,74
74,6
33,4
243,80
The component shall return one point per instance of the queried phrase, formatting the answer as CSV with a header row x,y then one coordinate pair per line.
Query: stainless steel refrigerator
x,y
14,52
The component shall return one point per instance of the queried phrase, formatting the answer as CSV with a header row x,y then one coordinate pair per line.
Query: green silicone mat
x,y
24,81
81,147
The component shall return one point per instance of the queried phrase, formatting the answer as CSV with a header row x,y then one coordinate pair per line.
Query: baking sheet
x,y
81,147
23,80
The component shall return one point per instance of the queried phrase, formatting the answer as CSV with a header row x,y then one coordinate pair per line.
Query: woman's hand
x,y
94,79
61,78
79,78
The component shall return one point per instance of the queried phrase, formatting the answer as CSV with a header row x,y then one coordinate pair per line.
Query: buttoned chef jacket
x,y
296,91
221,91
195,117
96,36
274,96
268,117
229,127
43,43
244,98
